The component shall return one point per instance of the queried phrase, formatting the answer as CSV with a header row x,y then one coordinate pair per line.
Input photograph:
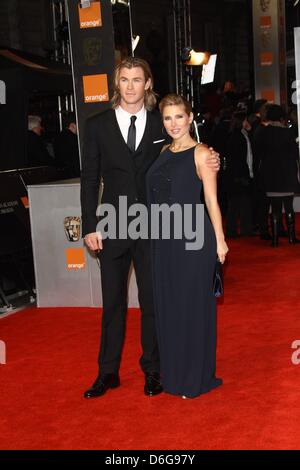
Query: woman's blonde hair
x,y
175,100
129,63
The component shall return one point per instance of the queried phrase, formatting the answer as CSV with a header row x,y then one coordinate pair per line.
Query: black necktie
x,y
131,134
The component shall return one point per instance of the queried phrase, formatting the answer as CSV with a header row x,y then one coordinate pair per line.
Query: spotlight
x,y
191,57
186,54
123,2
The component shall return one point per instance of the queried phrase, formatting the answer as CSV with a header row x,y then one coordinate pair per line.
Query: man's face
x,y
73,128
132,85
38,129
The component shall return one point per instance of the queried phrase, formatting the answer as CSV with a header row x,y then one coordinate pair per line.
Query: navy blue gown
x,y
185,306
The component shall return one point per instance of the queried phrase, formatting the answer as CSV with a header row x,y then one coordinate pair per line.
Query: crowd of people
x,y
245,164
260,168
258,147
62,152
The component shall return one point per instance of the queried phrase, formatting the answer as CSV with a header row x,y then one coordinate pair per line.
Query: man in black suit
x,y
66,147
120,145
37,153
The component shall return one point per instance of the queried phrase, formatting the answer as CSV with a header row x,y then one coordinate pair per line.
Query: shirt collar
x,y
140,114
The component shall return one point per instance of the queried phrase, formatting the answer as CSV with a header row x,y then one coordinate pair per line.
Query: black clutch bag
x,y
218,287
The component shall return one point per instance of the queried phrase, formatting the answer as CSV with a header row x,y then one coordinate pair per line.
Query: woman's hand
x,y
222,250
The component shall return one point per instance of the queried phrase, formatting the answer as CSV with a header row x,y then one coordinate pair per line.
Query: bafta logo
x,y
265,5
266,39
72,228
92,51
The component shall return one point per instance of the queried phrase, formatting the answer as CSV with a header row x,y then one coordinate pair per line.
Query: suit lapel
x,y
135,160
146,136
127,153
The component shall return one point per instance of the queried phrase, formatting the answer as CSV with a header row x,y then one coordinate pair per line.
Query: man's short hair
x,y
34,121
275,113
258,105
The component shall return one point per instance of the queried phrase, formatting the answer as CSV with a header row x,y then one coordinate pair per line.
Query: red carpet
x,y
52,354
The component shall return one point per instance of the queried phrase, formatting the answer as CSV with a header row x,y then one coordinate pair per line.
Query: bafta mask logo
x,y
265,5
92,51
72,228
266,39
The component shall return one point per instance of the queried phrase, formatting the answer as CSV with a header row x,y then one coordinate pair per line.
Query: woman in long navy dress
x,y
183,278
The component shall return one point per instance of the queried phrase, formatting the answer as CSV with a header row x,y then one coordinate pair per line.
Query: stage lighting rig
x,y
85,3
191,57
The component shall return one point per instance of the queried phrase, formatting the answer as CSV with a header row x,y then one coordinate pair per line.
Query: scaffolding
x,y
183,39
62,52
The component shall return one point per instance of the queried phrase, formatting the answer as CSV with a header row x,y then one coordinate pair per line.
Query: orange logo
x,y
75,258
266,58
95,88
265,21
25,202
90,17
268,95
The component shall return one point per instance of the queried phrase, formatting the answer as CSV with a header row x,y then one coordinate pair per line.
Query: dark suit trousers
x,y
115,265
239,209
261,210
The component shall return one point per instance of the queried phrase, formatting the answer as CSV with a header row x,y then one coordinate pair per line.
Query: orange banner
x,y
95,88
268,95
90,17
266,58
265,21
75,258
25,202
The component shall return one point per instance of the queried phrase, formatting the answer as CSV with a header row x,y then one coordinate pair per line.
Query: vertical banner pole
x,y
270,51
92,57
131,30
296,94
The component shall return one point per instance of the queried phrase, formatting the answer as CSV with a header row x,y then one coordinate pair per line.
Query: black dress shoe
x,y
101,385
152,384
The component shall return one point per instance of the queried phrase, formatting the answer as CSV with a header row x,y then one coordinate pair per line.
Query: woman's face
x,y
176,121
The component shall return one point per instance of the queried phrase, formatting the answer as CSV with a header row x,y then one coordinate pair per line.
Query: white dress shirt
x,y
123,118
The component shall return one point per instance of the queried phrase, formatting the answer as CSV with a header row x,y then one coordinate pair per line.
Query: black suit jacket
x,y
67,153
37,152
237,175
279,157
106,155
